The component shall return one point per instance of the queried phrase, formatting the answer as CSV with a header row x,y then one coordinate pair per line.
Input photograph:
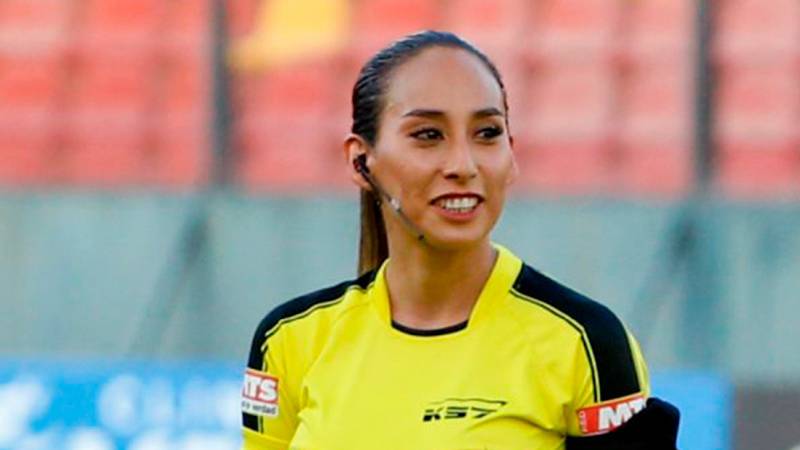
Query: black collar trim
x,y
433,332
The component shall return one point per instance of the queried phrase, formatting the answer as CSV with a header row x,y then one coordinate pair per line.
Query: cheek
x,y
406,185
503,173
414,180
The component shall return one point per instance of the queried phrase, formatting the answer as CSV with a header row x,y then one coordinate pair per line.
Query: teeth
x,y
459,204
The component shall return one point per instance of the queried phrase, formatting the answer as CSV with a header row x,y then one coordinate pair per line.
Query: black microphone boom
x,y
361,167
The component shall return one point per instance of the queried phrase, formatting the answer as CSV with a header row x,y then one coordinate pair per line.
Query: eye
x,y
489,133
427,134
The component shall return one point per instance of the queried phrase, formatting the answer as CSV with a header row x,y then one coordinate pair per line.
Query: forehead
x,y
448,79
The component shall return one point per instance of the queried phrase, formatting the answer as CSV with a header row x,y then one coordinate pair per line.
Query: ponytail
x,y
373,248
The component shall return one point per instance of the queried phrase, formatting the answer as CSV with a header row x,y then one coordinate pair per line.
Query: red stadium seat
x,y
105,150
758,108
758,30
191,18
570,30
376,23
654,168
35,16
517,82
299,90
26,143
130,68
122,18
562,167
241,15
759,169
605,167
30,79
488,23
182,155
758,103
571,101
185,81
107,79
293,155
660,30
654,130
656,103
345,75
186,29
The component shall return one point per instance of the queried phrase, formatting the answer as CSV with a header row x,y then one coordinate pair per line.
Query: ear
x,y
355,146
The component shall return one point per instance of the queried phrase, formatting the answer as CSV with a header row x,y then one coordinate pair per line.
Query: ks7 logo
x,y
461,408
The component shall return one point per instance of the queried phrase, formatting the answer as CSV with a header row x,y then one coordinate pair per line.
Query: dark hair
x,y
368,96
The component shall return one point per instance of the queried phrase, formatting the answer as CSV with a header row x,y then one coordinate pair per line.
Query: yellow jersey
x,y
535,362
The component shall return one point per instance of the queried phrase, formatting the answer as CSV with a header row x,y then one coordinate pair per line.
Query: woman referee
x,y
446,340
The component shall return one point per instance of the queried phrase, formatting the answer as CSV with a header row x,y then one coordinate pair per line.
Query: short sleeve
x,y
601,402
269,407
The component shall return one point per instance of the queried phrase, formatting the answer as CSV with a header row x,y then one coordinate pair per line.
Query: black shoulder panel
x,y
616,370
297,308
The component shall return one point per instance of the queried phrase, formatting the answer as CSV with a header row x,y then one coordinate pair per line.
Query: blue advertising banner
x,y
139,405
119,405
706,404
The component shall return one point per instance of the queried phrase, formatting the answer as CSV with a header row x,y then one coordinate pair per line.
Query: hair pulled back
x,y
368,104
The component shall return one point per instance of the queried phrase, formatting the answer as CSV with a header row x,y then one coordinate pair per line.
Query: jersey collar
x,y
505,271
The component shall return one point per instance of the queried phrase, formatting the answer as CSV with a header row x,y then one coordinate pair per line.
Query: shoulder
x,y
571,306
309,313
304,307
606,341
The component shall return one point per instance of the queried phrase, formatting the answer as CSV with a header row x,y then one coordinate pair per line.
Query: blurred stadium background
x,y
170,170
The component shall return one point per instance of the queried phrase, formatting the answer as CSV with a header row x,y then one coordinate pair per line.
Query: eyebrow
x,y
488,112
435,113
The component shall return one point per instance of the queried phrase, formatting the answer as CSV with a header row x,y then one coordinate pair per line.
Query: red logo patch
x,y
604,417
260,394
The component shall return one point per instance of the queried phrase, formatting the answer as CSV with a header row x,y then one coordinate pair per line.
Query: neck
x,y
431,288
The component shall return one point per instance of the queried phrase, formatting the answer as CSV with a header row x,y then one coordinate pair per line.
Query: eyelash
x,y
425,134
487,133
493,132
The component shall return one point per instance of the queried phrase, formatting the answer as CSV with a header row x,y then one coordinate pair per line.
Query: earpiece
x,y
360,165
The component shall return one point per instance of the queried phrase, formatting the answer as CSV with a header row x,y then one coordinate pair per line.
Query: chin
x,y
453,240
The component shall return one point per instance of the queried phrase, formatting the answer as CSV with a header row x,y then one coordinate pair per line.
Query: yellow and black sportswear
x,y
535,362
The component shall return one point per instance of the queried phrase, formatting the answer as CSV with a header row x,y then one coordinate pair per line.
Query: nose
x,y
460,164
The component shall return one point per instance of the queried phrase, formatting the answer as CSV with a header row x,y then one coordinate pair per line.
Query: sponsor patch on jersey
x,y
461,408
260,394
606,416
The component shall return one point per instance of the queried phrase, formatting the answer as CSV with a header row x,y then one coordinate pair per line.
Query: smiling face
x,y
443,148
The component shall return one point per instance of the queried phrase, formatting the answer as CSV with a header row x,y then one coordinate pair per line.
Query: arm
x,y
626,422
653,428
269,411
